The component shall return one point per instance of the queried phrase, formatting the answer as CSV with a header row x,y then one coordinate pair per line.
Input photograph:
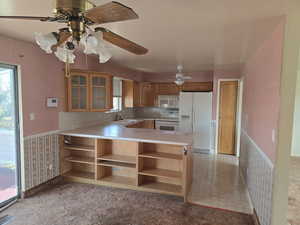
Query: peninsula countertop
x,y
117,130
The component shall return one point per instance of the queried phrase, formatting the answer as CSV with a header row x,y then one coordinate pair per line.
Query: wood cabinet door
x,y
166,89
197,86
127,93
78,94
100,92
147,95
136,94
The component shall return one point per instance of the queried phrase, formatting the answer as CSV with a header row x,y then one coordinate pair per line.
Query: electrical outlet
x,y
50,167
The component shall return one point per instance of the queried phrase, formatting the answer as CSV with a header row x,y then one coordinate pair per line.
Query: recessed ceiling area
x,y
200,34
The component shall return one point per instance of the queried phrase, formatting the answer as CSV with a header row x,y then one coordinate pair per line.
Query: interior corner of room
x,y
140,124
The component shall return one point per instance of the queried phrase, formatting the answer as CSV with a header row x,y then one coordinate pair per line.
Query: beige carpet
x,y
294,192
82,204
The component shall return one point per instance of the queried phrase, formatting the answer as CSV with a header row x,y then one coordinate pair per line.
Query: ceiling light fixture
x,y
79,16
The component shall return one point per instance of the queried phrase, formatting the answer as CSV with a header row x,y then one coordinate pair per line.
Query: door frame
x,y
238,114
19,133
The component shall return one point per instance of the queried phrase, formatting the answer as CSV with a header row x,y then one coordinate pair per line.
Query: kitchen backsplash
x,y
73,120
155,112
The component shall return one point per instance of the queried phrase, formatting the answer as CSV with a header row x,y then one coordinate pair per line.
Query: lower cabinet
x,y
152,167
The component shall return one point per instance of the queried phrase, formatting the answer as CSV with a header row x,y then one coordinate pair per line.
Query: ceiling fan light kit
x,y
180,77
80,15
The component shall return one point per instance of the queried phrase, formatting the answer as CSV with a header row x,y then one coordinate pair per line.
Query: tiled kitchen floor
x,y
217,183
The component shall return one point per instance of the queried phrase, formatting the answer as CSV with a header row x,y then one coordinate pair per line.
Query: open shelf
x,y
119,158
116,164
81,159
163,187
161,173
161,155
80,174
86,148
119,180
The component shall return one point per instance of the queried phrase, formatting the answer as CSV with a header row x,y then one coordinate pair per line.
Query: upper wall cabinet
x,y
166,89
147,95
197,86
89,92
131,93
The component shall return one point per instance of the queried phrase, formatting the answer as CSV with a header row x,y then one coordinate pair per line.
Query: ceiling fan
x,y
80,15
180,77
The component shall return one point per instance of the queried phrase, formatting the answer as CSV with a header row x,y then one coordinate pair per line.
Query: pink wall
x,y
42,76
261,91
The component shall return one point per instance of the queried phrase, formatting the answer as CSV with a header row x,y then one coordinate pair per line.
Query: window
x,y
117,94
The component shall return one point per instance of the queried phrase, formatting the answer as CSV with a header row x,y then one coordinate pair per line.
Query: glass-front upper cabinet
x,y
89,92
100,92
78,93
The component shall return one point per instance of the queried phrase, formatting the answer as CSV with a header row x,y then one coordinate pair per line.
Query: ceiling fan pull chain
x,y
67,67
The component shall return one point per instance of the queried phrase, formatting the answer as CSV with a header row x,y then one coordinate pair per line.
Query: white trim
x,y
238,117
21,129
264,156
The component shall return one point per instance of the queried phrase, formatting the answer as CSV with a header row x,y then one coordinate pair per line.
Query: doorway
x,y
9,135
227,116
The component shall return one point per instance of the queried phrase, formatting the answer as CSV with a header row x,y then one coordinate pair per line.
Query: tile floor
x,y
217,183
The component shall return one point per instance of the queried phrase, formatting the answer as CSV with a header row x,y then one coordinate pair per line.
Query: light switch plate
x,y
32,116
273,136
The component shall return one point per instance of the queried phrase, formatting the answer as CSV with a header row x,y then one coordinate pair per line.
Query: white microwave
x,y
168,101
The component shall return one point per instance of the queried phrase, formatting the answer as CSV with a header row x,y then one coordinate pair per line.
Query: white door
x,y
202,114
186,112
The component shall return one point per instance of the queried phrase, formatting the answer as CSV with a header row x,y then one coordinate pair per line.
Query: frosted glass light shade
x,y
90,44
45,41
179,82
65,55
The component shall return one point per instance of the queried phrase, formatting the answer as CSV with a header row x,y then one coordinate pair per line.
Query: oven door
x,y
166,126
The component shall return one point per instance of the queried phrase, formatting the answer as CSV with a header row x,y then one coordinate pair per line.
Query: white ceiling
x,y
200,34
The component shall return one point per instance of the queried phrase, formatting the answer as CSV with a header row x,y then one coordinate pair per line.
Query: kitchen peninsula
x,y
128,154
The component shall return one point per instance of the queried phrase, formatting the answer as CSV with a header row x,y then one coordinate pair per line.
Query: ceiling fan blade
x,y
187,78
63,37
121,42
29,18
110,12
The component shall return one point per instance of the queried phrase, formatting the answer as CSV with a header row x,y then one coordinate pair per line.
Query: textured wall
x,y
257,170
41,159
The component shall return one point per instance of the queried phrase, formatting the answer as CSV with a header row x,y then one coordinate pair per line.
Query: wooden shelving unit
x,y
116,164
80,148
81,159
161,155
158,168
161,173
119,158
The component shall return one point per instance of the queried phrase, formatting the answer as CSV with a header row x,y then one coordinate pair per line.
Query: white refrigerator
x,y
195,115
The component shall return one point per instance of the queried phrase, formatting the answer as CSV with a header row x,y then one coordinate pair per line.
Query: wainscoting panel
x,y
41,159
257,170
